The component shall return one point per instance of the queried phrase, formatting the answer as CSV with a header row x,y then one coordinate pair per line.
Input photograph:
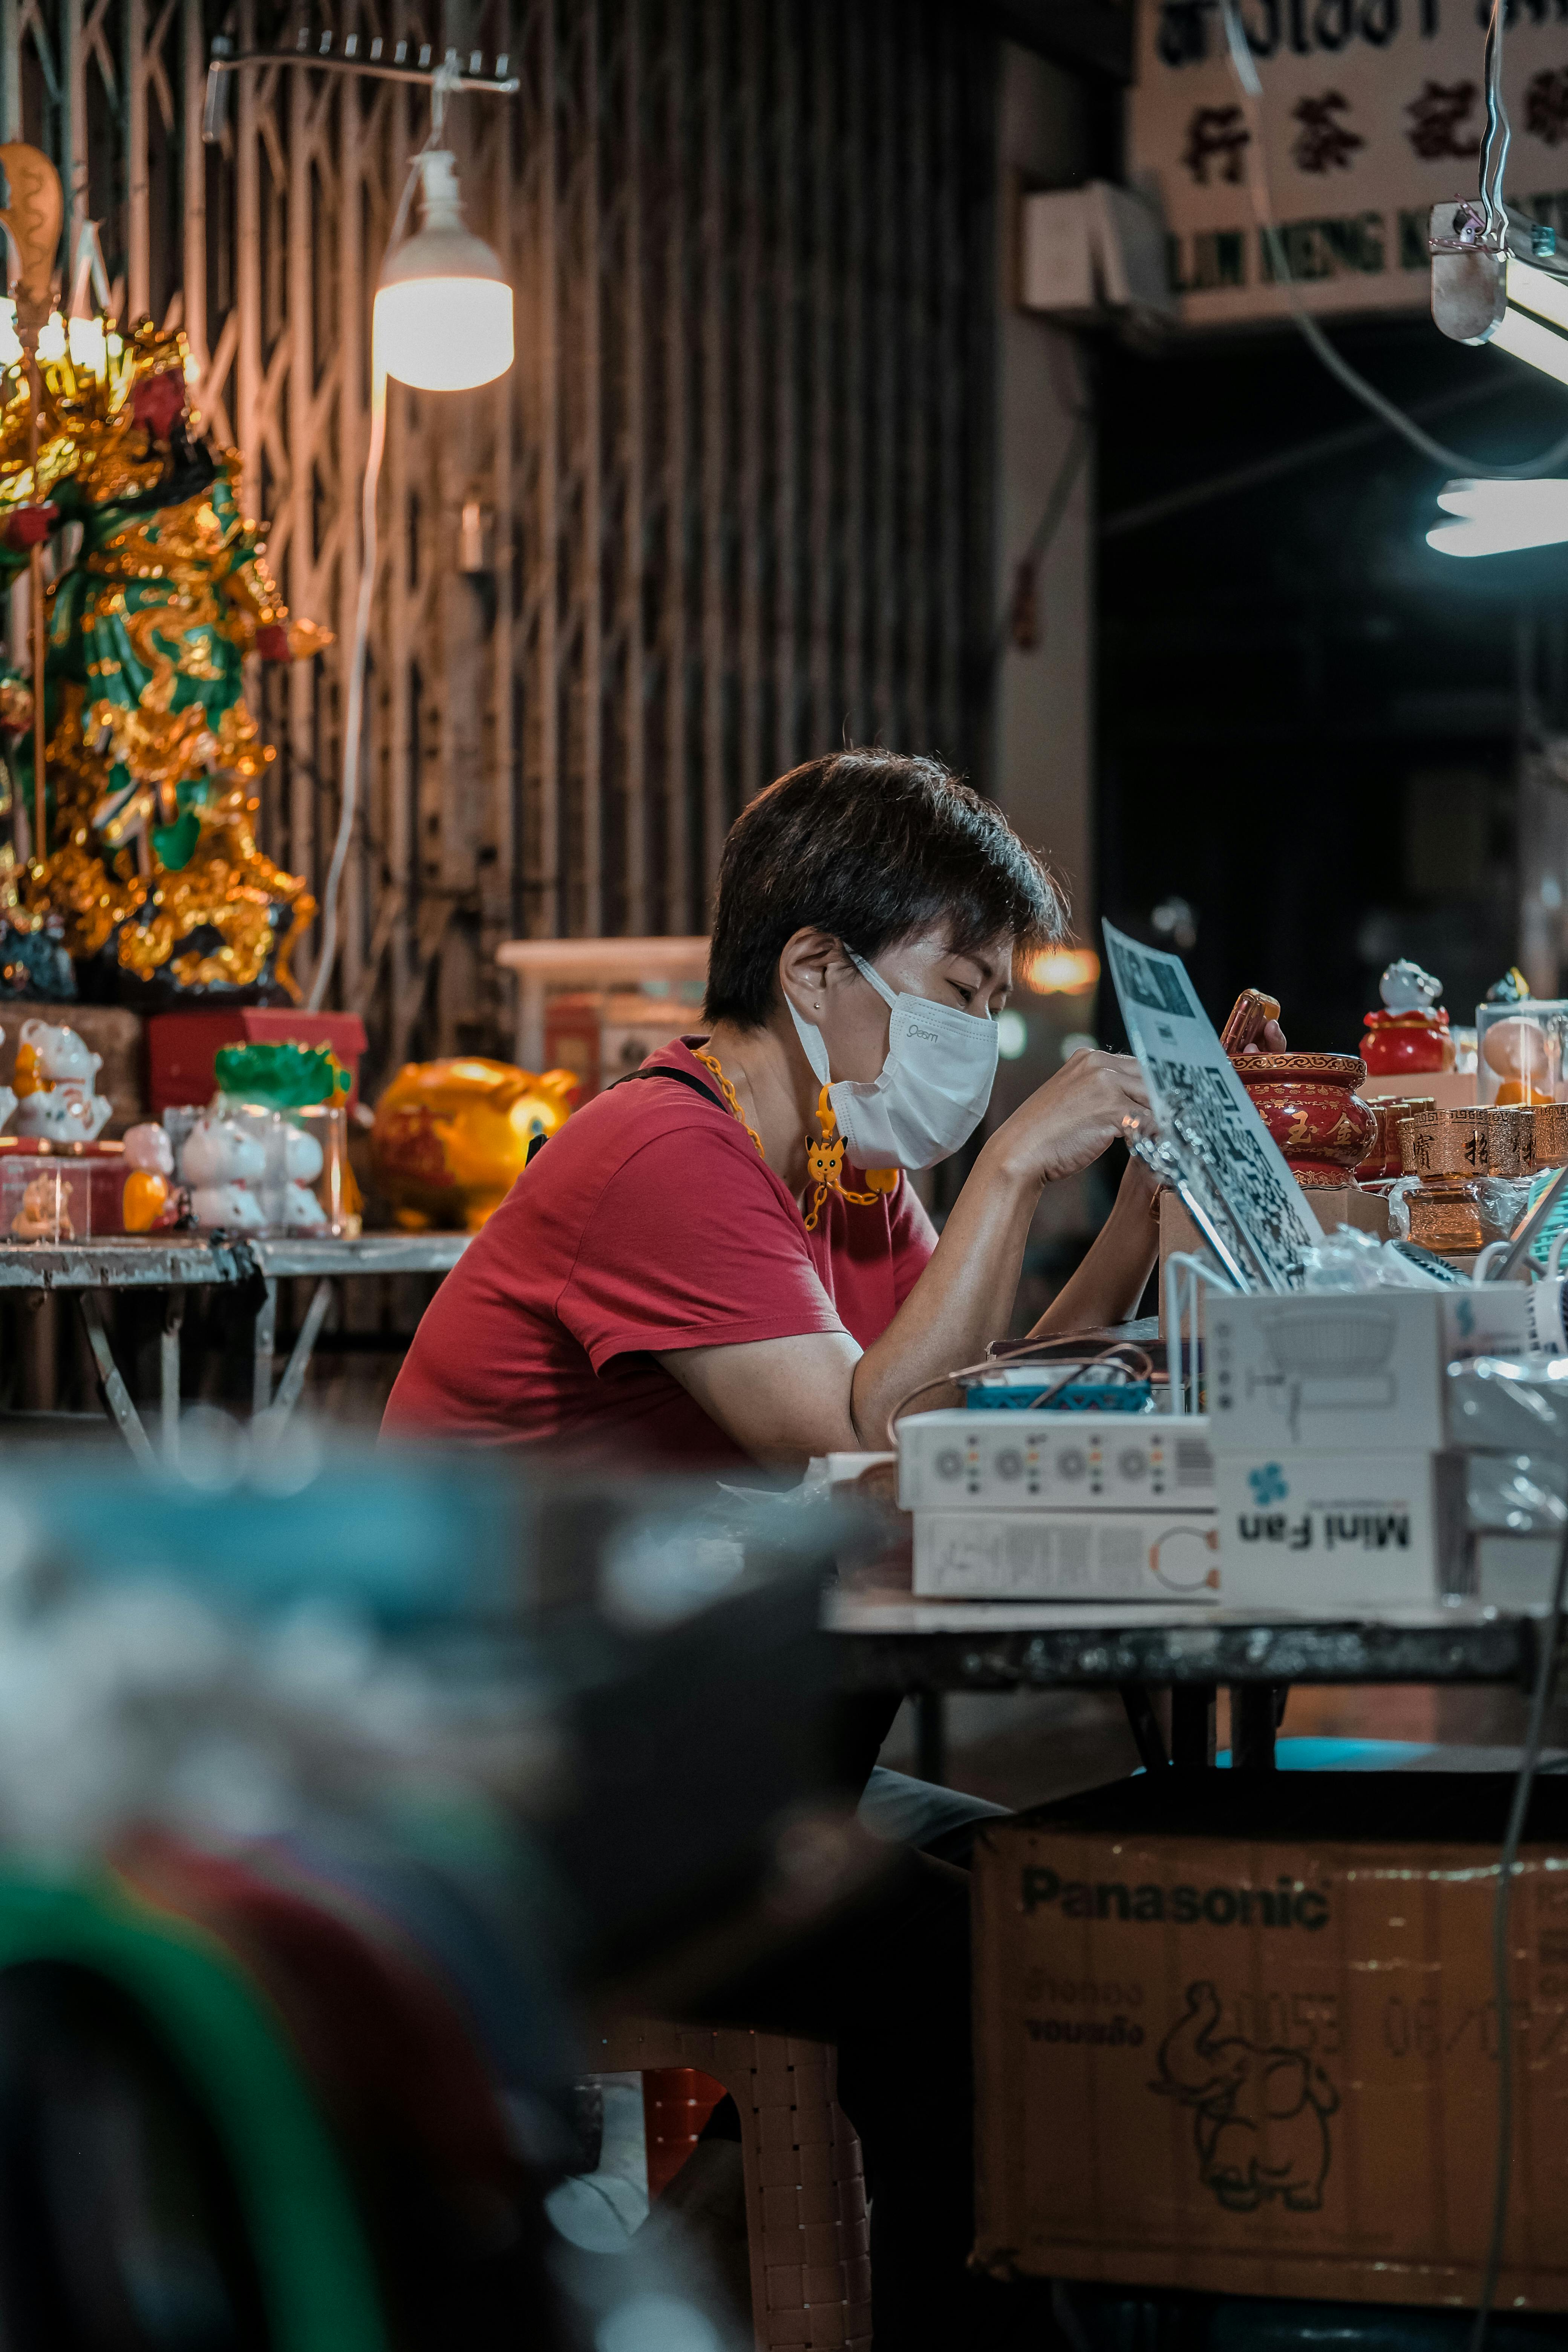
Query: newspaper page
x,y
1232,1160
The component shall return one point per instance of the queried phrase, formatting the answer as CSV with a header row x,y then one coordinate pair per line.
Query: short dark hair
x,y
873,847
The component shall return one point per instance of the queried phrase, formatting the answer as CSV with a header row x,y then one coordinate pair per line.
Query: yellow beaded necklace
x,y
823,1156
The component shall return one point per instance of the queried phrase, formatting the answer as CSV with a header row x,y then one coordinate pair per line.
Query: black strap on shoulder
x,y
681,1078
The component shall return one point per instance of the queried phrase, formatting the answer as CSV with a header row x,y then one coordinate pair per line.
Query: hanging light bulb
x,y
443,311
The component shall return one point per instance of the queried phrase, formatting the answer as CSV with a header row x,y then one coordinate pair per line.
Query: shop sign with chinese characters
x,y
1374,110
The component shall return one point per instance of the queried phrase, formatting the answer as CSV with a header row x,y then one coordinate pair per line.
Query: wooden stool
x,y
805,2192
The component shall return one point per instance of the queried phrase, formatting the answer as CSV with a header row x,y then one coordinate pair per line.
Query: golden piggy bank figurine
x,y
451,1137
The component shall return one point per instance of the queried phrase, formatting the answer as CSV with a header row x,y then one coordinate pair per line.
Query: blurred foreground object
x,y
328,1782
452,1136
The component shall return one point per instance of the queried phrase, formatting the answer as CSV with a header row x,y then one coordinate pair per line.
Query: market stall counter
x,y
175,1263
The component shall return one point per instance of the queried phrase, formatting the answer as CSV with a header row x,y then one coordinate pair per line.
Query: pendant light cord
x,y
1245,72
446,80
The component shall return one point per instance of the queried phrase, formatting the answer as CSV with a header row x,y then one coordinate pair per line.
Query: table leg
x,y
294,1378
1148,1737
931,1738
112,1387
169,1374
266,1339
1253,1714
1192,1724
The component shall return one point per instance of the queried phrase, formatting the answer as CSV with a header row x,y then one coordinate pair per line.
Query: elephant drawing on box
x,y
1261,2126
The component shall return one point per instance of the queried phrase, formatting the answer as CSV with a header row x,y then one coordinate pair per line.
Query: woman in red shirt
x,y
725,1259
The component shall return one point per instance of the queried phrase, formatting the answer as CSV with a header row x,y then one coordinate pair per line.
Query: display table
x,y
926,1647
174,1262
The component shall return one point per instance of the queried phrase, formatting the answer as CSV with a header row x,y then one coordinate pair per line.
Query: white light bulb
x,y
444,334
443,319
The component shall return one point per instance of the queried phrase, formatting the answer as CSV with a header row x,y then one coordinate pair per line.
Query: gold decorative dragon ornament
x,y
152,758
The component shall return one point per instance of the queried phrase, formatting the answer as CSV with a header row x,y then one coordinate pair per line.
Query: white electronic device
x,y
962,1460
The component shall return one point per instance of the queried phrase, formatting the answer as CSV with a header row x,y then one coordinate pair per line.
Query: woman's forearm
x,y
1109,1283
962,1300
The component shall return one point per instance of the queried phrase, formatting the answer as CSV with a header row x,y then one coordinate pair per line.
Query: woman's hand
x,y
1272,1042
1072,1118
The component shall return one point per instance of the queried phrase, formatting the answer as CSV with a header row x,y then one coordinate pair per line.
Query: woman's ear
x,y
808,965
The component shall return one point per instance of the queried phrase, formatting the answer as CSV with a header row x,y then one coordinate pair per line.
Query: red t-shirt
x,y
648,1221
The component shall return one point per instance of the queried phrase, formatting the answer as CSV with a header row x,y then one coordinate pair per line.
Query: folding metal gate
x,y
731,505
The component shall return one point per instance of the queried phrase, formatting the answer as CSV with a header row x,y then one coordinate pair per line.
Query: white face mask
x,y
932,1089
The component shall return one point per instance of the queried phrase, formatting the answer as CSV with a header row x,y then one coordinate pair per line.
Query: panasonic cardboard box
x,y
1241,2036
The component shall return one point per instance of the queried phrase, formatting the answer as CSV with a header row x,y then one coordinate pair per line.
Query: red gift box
x,y
181,1046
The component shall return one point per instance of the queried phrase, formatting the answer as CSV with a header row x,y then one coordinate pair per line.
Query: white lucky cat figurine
x,y
220,1162
54,1077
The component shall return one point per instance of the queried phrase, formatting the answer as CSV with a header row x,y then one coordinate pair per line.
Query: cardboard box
x,y
1358,1370
1234,2032
1449,1090
1340,1531
985,1555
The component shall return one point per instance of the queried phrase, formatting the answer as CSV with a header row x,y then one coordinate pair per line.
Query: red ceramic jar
x,y
1400,1042
1310,1105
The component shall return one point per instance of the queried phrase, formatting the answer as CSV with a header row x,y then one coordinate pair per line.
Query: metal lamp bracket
x,y
384,61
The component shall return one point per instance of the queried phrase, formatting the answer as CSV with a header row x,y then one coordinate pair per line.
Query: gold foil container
x,y
1428,1148
1473,1129
1444,1216
1510,1139
1550,1136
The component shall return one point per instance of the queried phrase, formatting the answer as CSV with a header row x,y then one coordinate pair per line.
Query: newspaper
x,y
1201,1107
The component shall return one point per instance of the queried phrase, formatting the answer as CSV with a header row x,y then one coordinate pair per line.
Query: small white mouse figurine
x,y
1405,988
220,1162
302,1158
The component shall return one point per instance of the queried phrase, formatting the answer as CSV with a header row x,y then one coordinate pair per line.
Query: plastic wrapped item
x,y
75,1195
1510,1405
1516,1493
1503,1201
1520,1050
1348,1260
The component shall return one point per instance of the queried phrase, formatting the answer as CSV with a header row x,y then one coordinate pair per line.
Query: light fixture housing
x,y
1489,292
443,318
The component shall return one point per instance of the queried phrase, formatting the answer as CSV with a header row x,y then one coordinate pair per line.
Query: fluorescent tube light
x,y
1493,517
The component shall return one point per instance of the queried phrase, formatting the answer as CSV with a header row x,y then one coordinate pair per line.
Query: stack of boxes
x,y
1340,1472
1042,1505
1352,1457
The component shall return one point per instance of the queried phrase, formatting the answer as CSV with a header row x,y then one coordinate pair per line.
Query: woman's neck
x,y
776,1089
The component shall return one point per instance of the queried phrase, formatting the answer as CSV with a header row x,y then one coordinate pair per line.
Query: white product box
x,y
1009,1461
1339,1530
1354,1370
984,1555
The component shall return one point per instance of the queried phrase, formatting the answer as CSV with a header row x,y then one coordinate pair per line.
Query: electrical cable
x,y
444,83
354,713
1246,75
1507,1862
